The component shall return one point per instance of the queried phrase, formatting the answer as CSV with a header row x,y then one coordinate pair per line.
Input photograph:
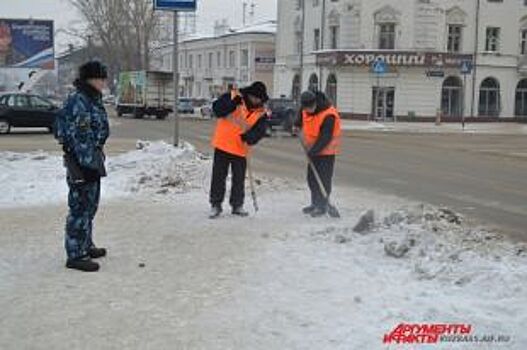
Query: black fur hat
x,y
93,70
257,89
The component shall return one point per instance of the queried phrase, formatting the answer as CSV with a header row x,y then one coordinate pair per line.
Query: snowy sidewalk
x,y
277,280
448,128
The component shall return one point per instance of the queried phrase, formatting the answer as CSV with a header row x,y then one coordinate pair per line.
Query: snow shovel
x,y
244,127
332,210
251,184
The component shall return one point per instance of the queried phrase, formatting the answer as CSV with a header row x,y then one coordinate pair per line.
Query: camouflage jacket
x,y
83,128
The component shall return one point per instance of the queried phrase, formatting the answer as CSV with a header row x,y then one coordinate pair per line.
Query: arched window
x,y
489,98
452,97
313,82
521,99
334,29
331,88
296,90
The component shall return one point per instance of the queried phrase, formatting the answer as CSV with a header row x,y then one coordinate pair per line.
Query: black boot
x,y
309,209
96,253
82,264
215,212
239,211
319,211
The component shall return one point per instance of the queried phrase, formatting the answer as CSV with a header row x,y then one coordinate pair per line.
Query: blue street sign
x,y
466,67
175,5
380,67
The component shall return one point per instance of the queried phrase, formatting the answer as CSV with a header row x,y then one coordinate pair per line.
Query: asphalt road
x,y
482,176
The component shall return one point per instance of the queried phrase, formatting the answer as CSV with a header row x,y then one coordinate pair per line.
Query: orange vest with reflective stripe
x,y
311,127
227,136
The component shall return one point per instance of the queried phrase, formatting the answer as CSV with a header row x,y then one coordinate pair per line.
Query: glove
x,y
237,100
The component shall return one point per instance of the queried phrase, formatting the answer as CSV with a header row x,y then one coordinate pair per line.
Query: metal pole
x,y
475,61
463,101
175,67
302,47
322,31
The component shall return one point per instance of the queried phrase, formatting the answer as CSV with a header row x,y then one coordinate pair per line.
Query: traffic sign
x,y
175,5
380,67
466,67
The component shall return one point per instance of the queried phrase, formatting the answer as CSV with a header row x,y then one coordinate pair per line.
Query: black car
x,y
283,113
26,111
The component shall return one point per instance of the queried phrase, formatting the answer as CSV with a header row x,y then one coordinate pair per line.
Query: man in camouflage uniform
x,y
82,129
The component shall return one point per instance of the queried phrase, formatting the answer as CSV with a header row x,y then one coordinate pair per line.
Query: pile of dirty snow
x,y
39,178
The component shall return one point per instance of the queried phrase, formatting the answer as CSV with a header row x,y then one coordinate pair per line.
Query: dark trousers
x,y
324,166
220,170
83,201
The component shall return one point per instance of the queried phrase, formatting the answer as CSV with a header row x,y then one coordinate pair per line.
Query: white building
x,y
424,44
209,65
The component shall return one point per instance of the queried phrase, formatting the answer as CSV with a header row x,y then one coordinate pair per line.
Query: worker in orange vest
x,y
241,124
321,129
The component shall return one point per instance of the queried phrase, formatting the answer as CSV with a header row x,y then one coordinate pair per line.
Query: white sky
x,y
66,16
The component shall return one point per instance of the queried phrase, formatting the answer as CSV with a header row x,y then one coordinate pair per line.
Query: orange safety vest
x,y
227,136
311,126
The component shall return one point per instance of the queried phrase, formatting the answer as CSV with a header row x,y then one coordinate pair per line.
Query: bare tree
x,y
123,28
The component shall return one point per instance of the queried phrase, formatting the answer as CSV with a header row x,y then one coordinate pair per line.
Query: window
x,y
454,37
331,88
299,4
232,59
11,101
211,58
218,59
313,82
39,102
21,101
387,36
521,99
3,100
452,97
316,40
334,37
489,98
493,39
296,89
524,41
315,3
190,61
298,42
199,61
245,58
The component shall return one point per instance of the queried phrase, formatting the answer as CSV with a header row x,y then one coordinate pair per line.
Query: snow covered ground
x,y
277,280
431,128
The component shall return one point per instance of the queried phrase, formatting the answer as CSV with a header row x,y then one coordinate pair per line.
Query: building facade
x,y
210,65
407,59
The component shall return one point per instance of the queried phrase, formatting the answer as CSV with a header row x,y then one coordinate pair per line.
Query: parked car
x,y
27,111
283,112
109,100
206,110
185,106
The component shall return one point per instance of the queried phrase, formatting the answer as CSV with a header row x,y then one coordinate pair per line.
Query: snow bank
x,y
37,178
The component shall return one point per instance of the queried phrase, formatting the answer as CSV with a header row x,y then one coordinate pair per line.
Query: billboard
x,y
26,43
131,88
175,5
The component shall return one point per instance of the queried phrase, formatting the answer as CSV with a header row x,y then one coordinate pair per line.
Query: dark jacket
x,y
225,105
327,127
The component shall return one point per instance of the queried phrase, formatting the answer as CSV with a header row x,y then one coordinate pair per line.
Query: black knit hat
x,y
93,70
308,99
257,89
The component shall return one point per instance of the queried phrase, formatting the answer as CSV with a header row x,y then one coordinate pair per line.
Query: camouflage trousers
x,y
83,202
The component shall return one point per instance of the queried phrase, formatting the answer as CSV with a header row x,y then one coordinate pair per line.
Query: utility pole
x,y
302,30
475,60
175,67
